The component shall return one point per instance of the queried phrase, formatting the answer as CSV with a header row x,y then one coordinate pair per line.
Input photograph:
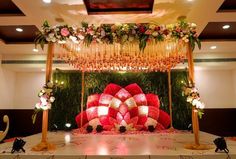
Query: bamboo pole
x,y
195,123
44,145
170,100
82,99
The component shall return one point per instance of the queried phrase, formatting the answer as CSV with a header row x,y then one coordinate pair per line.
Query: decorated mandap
x,y
121,47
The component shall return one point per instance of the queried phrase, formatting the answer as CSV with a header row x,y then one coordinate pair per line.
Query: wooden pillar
x,y
82,99
195,123
44,145
170,99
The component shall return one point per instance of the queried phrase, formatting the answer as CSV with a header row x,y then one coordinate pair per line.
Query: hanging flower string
x,y
140,33
46,99
193,97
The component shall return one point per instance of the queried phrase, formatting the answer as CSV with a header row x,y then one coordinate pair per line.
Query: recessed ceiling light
x,y
35,50
189,0
19,29
47,1
213,47
226,26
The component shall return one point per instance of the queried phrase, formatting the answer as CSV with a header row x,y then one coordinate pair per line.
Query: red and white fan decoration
x,y
128,107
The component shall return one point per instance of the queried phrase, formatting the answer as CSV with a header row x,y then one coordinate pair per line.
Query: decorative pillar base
x,y
198,147
44,146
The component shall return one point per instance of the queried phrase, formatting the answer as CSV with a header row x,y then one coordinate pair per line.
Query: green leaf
x,y
198,43
42,42
143,42
200,113
192,43
84,24
45,24
34,116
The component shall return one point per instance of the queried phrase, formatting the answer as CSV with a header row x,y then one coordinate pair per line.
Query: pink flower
x,y
65,32
157,28
178,30
90,31
148,32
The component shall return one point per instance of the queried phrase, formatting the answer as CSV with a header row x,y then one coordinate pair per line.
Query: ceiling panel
x,y
228,6
8,8
214,31
10,36
118,6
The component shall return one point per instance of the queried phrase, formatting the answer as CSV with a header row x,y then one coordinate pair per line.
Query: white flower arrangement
x,y
193,97
46,97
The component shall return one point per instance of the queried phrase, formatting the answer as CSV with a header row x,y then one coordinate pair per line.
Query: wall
x,y
234,79
216,88
18,95
19,90
7,86
27,86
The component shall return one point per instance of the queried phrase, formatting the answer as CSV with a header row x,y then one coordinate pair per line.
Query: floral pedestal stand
x,y
44,144
195,123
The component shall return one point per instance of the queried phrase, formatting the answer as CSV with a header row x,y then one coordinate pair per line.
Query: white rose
x,y
52,99
186,40
201,105
193,25
81,37
195,102
49,105
54,39
73,38
155,33
43,101
189,99
51,35
50,84
37,105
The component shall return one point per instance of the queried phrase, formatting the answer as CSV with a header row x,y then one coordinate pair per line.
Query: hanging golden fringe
x,y
157,56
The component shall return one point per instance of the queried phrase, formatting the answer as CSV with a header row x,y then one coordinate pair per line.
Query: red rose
x,y
142,29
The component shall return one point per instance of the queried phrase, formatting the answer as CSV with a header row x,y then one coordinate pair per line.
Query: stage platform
x,y
161,145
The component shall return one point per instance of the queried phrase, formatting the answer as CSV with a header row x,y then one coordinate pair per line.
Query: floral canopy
x,y
121,47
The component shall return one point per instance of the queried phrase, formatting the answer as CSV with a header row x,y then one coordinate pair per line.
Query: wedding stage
x,y
160,145
120,119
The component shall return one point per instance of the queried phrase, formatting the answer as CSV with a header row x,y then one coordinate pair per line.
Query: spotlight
x,y
122,129
18,145
226,26
89,129
189,128
151,128
54,127
68,125
99,128
221,145
47,1
19,29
